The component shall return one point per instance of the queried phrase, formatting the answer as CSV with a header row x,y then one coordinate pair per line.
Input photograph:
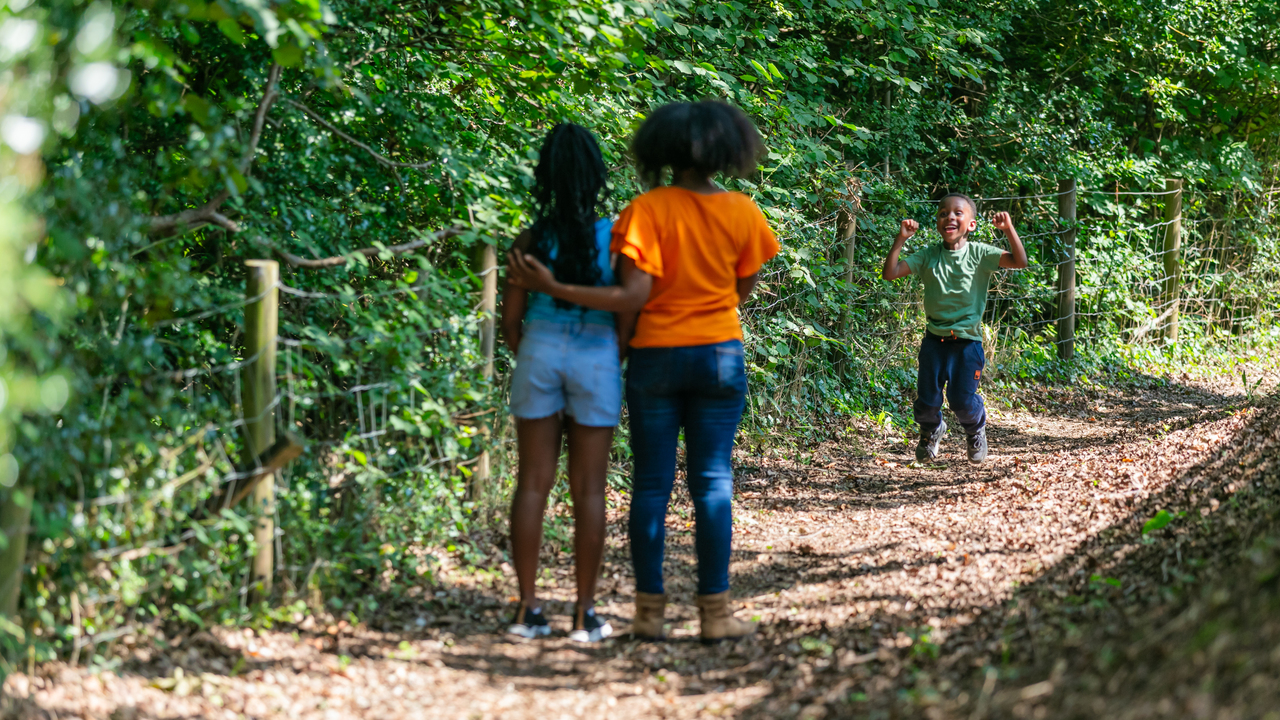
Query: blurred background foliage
x,y
150,147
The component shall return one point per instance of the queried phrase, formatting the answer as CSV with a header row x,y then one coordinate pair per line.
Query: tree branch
x,y
188,220
373,153
338,260
269,96
207,214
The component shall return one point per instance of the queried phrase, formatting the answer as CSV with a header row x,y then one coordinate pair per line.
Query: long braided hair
x,y
570,188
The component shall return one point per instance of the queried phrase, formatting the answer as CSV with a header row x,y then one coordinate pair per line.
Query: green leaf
x,y
403,425
762,70
232,30
197,107
1161,519
289,55
191,9
359,456
188,615
238,181
9,627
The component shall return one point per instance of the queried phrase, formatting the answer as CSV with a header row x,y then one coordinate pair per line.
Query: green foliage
x,y
1159,520
193,136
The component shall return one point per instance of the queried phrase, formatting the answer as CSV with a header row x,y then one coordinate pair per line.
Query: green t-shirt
x,y
955,286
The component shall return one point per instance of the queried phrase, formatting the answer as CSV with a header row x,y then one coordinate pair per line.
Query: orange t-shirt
x,y
696,247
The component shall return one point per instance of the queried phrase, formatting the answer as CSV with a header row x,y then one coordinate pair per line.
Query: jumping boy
x,y
955,274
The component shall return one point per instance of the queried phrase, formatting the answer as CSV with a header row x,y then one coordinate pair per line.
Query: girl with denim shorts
x,y
567,377
701,249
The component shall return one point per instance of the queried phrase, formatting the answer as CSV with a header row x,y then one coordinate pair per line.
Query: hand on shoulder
x,y
524,271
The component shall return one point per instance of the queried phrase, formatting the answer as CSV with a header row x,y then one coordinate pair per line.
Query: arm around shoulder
x,y
525,271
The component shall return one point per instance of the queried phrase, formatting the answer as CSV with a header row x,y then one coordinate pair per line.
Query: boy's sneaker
x,y
927,448
978,445
529,623
589,627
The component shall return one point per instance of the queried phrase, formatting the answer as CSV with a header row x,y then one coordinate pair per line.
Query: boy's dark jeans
x,y
702,388
955,365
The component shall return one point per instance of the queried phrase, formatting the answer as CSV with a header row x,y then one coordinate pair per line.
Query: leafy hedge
x,y
186,137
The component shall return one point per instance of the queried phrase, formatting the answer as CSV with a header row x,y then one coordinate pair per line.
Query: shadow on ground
x,y
1168,621
1035,586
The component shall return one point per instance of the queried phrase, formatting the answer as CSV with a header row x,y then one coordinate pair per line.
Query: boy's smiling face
x,y
955,219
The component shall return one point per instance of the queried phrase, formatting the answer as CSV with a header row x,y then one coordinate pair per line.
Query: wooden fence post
x,y
258,397
1172,254
847,234
488,264
15,516
1067,271
488,304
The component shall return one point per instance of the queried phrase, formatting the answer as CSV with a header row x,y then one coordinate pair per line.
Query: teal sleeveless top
x,y
543,307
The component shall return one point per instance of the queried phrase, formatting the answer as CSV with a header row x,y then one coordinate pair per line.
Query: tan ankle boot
x,y
649,611
718,622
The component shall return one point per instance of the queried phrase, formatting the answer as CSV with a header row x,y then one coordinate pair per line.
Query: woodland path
x,y
1021,588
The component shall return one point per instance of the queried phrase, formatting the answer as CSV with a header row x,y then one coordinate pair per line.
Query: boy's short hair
x,y
709,136
972,205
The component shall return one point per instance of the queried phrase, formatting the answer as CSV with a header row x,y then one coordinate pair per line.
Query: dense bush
x,y
301,131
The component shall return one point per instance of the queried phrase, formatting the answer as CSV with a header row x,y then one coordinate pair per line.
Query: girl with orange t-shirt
x,y
703,248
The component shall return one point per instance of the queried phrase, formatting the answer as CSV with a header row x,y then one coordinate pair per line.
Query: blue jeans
x,y
702,389
955,365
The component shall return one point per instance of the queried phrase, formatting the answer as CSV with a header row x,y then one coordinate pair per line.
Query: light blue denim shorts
x,y
569,366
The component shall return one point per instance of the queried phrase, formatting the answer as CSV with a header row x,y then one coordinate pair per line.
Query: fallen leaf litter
x,y
883,587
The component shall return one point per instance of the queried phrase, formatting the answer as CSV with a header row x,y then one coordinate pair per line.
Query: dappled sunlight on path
x,y
884,587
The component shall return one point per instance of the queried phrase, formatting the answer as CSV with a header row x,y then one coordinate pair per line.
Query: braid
x,y
569,191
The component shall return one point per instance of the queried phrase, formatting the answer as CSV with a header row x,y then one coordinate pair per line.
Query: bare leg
x,y
538,442
588,466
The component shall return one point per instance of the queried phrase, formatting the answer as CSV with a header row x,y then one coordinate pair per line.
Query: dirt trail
x,y
885,589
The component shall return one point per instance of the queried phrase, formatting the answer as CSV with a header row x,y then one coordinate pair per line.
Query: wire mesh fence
x,y
1135,268
370,395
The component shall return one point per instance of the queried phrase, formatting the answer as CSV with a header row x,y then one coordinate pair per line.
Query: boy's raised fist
x,y
909,228
1001,221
